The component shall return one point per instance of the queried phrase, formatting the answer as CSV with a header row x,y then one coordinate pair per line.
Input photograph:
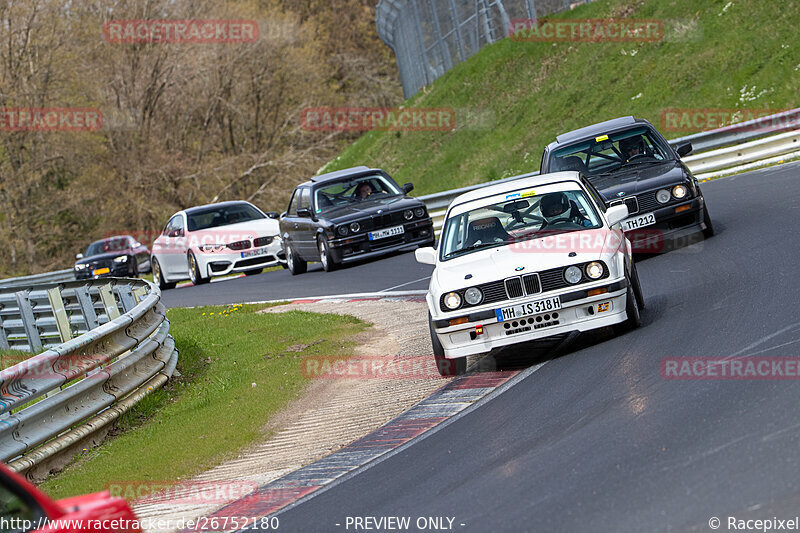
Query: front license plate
x,y
101,271
639,221
256,252
388,232
526,309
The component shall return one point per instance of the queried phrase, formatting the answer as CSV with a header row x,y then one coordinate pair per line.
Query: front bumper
x,y
356,247
229,262
115,270
674,222
462,340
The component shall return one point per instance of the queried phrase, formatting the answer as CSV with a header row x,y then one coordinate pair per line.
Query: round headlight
x,y
452,300
680,191
473,296
663,196
408,214
343,231
419,212
594,270
355,227
573,274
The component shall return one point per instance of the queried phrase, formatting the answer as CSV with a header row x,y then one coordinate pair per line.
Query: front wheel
x,y
325,256
194,271
634,319
709,231
158,277
447,367
295,264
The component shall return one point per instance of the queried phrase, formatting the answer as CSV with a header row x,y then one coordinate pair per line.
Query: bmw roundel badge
x,y
519,269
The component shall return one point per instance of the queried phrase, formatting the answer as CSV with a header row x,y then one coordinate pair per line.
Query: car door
x,y
304,227
173,254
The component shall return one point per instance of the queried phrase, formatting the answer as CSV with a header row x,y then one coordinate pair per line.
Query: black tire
x,y
294,263
634,319
637,287
253,272
709,231
329,264
447,367
158,278
194,270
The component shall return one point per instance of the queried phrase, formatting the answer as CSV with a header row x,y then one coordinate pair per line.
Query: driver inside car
x,y
557,208
632,147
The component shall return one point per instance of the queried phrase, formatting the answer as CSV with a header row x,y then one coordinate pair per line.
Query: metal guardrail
x,y
106,345
57,276
718,150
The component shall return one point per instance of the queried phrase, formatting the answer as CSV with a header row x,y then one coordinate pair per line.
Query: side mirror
x,y
684,149
79,256
426,255
616,213
304,212
272,214
408,187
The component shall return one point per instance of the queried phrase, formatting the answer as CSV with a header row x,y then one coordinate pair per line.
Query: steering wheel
x,y
534,218
637,156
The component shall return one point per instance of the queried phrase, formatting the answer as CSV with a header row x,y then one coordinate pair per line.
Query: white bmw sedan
x,y
539,256
214,240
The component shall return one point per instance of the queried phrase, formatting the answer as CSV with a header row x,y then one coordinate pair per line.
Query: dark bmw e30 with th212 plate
x,y
628,161
351,214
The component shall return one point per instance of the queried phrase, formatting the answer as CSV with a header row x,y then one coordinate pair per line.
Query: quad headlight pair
x,y
679,192
473,296
345,229
418,212
594,270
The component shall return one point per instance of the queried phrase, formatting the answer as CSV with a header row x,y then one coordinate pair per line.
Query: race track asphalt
x,y
596,439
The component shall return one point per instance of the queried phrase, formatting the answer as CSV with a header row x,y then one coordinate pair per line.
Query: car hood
x,y
370,207
263,226
533,255
103,257
639,178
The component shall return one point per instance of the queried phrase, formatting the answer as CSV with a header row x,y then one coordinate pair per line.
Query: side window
x,y
292,209
304,202
179,223
17,506
174,225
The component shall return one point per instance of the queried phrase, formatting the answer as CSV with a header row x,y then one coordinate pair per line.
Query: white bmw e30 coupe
x,y
526,259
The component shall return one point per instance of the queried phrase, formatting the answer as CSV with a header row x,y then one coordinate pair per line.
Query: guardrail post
x,y
109,302
126,297
3,338
60,313
28,320
87,307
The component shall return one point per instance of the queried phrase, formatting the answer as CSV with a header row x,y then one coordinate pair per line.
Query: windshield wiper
x,y
476,246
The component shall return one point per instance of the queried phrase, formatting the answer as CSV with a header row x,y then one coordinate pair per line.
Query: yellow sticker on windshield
x,y
528,194
601,138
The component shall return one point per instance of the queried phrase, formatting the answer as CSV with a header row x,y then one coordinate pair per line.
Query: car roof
x,y
524,180
197,208
597,129
339,174
104,239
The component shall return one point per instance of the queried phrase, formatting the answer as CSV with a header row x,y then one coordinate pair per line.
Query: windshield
x,y
353,191
213,217
106,246
608,153
516,220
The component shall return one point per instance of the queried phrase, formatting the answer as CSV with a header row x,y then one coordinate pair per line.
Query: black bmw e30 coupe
x,y
628,161
351,214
